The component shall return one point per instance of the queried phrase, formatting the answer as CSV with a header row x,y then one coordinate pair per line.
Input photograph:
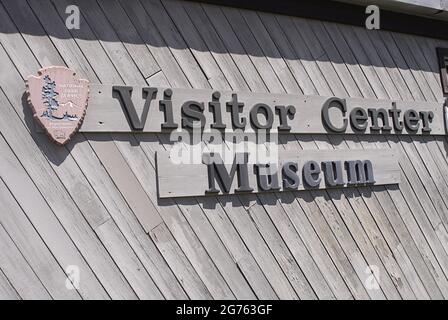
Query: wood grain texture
x,y
106,113
171,174
94,202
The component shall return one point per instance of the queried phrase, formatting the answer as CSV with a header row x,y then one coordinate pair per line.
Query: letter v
x,y
124,96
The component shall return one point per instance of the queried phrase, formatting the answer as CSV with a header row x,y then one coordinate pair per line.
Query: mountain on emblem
x,y
59,101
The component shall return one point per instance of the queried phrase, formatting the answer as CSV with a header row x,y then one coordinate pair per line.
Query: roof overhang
x,y
427,18
432,9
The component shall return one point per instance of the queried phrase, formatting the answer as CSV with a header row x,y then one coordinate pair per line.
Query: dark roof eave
x,y
352,13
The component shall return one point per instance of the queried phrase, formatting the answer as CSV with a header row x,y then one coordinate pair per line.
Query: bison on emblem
x,y
59,101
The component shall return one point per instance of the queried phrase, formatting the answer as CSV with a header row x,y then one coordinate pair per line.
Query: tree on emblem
x,y
49,95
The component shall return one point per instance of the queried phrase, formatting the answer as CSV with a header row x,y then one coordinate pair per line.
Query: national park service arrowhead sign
x,y
59,101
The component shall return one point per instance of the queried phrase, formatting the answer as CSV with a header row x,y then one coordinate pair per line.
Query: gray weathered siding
x,y
93,203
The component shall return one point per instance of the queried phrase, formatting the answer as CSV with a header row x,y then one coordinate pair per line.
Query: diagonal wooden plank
x,y
183,56
154,41
7,291
131,40
30,200
126,181
315,46
108,158
380,60
220,265
172,286
270,236
27,240
347,57
131,228
187,276
15,93
246,262
18,271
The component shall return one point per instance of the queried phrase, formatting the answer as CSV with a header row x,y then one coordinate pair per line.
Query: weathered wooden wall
x,y
93,203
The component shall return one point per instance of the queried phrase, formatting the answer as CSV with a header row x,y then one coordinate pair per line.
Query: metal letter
x,y
359,172
284,113
166,106
311,174
215,107
290,177
411,120
266,110
124,96
336,103
358,119
333,173
236,108
218,172
192,111
377,113
268,181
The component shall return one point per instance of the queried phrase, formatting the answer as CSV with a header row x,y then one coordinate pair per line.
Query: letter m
x,y
217,172
359,172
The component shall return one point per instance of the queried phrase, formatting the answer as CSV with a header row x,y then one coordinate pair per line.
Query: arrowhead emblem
x,y
59,101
